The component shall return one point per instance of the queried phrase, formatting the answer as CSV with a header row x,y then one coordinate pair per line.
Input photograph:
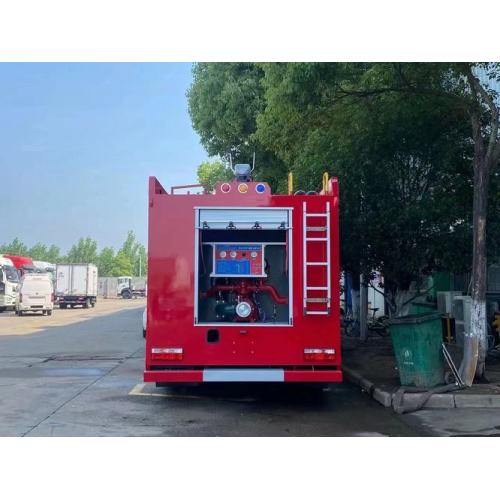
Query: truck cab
x,y
9,284
124,283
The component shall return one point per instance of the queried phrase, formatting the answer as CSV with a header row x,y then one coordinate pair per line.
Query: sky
x,y
78,142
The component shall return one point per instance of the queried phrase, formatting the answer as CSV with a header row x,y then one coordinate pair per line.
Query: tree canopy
x,y
130,260
397,136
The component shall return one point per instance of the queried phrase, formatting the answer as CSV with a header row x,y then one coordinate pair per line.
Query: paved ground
x,y
10,324
85,379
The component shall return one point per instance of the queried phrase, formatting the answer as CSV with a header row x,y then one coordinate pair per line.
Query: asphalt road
x,y
85,379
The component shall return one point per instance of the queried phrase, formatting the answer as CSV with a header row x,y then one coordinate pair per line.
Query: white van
x,y
36,294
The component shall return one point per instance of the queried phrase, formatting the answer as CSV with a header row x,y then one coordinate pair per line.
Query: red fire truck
x,y
243,285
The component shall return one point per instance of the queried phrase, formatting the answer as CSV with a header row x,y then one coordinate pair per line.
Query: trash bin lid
x,y
415,318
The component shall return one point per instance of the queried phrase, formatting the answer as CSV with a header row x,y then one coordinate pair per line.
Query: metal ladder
x,y
323,241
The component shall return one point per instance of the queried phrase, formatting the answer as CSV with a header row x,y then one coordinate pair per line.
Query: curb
x,y
451,400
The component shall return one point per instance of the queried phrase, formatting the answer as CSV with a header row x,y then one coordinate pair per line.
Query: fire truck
x,y
243,285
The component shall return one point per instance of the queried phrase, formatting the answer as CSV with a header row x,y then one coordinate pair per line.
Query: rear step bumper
x,y
243,375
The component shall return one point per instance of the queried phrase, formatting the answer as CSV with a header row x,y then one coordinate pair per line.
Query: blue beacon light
x,y
260,188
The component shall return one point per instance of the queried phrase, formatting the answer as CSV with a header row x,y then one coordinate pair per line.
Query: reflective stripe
x,y
243,375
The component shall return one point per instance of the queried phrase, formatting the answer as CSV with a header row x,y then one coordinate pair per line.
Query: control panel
x,y
238,259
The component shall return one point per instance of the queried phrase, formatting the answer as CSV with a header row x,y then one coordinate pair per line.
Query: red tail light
x,y
167,354
319,354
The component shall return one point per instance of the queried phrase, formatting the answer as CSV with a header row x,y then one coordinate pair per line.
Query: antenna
x,y
253,163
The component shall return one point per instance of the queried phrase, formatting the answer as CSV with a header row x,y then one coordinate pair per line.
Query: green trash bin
x,y
417,341
422,308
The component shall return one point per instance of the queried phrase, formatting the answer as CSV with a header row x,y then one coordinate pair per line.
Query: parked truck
x,y
76,284
248,288
21,263
127,289
9,284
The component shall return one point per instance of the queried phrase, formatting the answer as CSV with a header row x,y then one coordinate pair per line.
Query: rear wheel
x,y
49,312
63,306
87,304
126,294
20,313
44,313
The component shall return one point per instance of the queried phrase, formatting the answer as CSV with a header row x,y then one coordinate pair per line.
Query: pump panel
x,y
238,260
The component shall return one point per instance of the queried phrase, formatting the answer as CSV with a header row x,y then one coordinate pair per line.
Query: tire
x,y
44,313
126,294
93,303
86,305
49,312
21,313
63,306
17,313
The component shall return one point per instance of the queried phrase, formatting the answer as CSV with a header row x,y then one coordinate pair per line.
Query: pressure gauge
x,y
222,254
233,254
253,254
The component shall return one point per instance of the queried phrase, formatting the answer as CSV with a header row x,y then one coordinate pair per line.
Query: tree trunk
x,y
476,340
478,325
363,309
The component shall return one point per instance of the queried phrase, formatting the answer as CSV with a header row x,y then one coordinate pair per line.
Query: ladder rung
x,y
316,228
316,215
324,300
316,288
318,312
317,263
316,239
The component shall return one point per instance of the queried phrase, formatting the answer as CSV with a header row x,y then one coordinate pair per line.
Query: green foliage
x,y
209,173
16,247
130,260
84,252
122,265
396,135
105,261
135,253
224,102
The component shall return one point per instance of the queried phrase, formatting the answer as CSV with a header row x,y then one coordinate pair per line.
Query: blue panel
x,y
232,267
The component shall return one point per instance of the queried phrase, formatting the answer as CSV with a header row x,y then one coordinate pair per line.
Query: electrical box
x,y
238,260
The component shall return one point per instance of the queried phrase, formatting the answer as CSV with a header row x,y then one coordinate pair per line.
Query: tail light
x,y
167,354
319,354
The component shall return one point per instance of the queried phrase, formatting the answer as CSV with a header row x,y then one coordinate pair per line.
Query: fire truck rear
x,y
243,285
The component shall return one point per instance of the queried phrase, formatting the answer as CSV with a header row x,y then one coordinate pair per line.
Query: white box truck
x,y
76,284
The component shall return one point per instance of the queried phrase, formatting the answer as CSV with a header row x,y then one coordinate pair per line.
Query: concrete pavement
x,y
85,379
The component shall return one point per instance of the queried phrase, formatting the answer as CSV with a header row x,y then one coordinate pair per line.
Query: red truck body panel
x,y
19,261
253,352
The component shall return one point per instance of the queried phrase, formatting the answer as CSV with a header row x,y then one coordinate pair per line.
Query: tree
x,y
141,262
16,247
209,173
484,111
456,87
224,101
53,254
122,266
397,160
84,252
106,261
38,252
